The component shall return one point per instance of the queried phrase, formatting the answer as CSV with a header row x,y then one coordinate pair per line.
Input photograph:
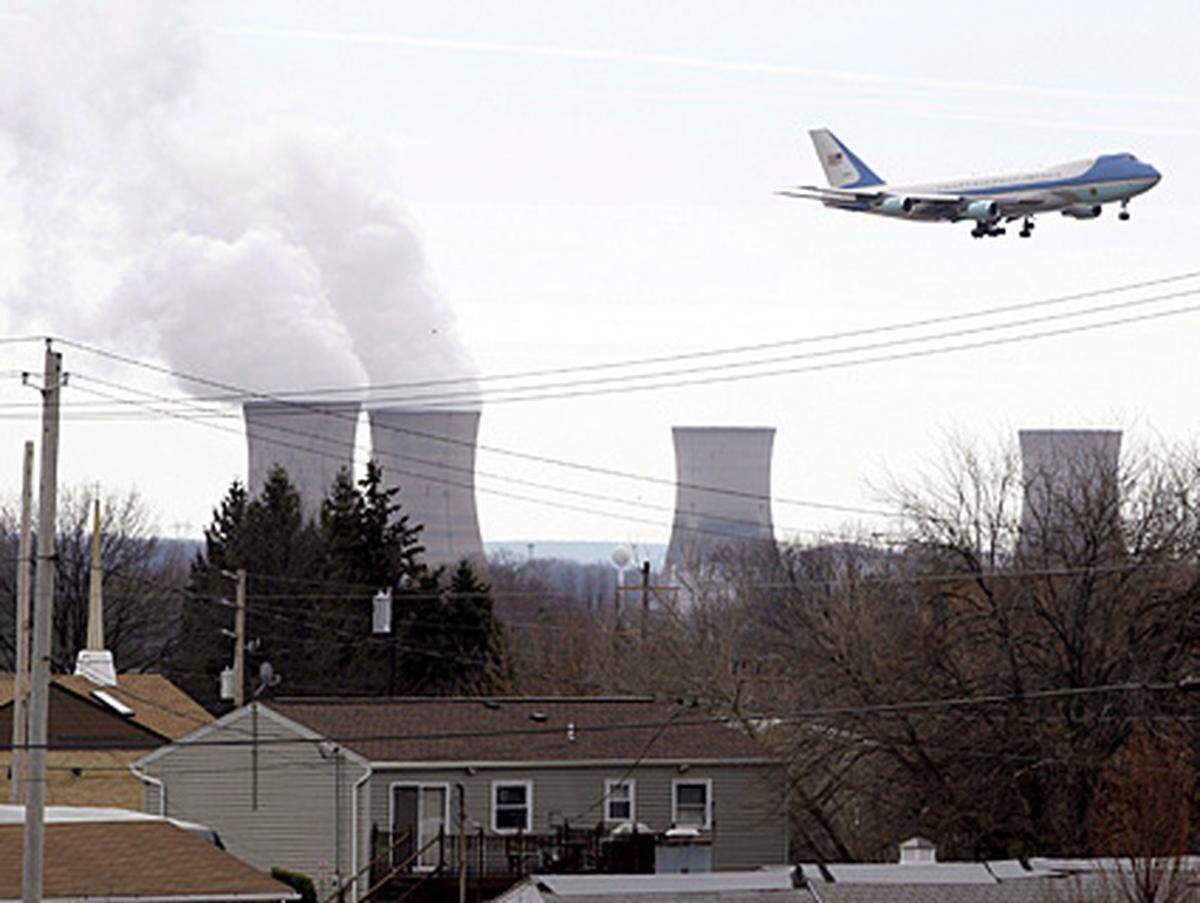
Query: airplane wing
x,y
864,195
843,195
949,205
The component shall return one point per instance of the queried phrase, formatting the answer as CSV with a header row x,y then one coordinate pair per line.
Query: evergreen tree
x,y
341,531
269,538
309,591
450,641
222,536
367,541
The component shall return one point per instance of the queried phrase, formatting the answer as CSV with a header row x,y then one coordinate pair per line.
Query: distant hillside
x,y
565,550
518,550
182,550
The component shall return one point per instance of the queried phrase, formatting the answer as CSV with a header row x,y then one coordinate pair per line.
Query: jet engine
x,y
896,206
982,210
1082,211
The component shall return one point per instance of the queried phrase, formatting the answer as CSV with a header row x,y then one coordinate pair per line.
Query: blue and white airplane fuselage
x,y
1078,189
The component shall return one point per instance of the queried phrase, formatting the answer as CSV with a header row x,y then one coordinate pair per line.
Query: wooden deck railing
x,y
514,856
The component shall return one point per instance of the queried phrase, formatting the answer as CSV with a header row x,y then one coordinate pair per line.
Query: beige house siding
x,y
306,796
750,826
299,787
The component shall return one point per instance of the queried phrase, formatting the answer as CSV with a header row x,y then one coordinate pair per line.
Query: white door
x,y
431,819
420,812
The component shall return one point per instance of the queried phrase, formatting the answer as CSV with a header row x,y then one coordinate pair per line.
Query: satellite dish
x,y
266,678
621,556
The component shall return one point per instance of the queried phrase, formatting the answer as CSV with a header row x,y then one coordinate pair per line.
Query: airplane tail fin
x,y
842,166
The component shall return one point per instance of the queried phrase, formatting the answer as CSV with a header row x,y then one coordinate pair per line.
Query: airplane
x,y
1078,189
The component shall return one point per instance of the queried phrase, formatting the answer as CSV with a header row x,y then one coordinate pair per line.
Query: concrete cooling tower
x,y
430,455
1068,476
311,440
722,493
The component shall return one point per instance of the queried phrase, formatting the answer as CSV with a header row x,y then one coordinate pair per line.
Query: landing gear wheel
x,y
1025,233
1123,215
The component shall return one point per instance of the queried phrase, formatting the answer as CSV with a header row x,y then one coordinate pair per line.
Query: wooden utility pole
x,y
645,599
462,843
646,588
239,650
35,808
24,628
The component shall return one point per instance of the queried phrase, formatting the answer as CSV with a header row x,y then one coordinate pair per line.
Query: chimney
x,y
94,661
311,440
722,494
430,455
917,851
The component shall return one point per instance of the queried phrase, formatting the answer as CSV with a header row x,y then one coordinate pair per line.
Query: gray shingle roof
x,y
519,729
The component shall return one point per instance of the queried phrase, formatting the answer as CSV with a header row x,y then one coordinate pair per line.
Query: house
x,y
419,787
919,880
919,876
763,886
118,721
99,721
110,855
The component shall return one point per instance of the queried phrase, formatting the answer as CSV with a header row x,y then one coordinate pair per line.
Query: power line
x,y
920,352
725,350
356,449
477,398
902,355
641,757
609,471
562,506
838,365
317,409
796,716
635,382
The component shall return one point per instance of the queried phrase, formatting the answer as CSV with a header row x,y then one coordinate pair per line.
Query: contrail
x,y
848,76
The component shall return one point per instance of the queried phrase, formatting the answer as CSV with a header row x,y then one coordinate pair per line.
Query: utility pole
x,y
24,627
462,843
35,808
645,599
239,651
646,588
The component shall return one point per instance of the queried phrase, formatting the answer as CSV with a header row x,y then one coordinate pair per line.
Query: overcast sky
x,y
593,182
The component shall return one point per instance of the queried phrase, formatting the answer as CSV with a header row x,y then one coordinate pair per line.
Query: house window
x,y
691,804
512,806
618,801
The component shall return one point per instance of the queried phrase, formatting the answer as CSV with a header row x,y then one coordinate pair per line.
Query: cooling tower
x,y
311,440
1070,484
722,494
430,455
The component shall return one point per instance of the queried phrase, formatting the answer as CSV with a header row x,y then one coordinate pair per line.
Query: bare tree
x,y
818,650
1105,592
143,580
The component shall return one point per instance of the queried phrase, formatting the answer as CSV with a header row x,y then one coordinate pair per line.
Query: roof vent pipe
x,y
917,851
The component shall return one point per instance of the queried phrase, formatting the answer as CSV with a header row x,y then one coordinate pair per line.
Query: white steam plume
x,y
273,256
